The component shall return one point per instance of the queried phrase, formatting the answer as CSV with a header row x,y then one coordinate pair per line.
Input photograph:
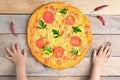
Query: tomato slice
x,y
41,42
48,17
70,20
75,41
58,52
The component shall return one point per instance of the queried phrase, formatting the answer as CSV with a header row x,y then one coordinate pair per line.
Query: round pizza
x,y
59,35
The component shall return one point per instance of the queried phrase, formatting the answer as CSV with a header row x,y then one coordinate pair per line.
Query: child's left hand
x,y
16,55
101,56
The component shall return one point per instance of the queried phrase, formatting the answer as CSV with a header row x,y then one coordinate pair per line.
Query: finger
x,y
13,48
109,52
108,58
108,43
8,57
9,51
106,50
18,47
101,49
94,52
25,52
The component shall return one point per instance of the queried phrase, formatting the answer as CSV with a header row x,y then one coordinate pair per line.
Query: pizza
x,y
59,35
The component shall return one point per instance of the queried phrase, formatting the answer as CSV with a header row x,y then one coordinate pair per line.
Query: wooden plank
x,y
20,21
60,78
87,7
35,68
47,78
5,40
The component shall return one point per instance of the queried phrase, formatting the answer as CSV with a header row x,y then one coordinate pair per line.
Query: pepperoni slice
x,y
75,41
58,52
41,42
70,20
48,17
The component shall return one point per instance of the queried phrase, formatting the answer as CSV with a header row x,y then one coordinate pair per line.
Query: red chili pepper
x,y
12,29
101,19
101,7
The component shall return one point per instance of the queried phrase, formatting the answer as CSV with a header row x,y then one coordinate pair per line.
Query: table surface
x,y
20,10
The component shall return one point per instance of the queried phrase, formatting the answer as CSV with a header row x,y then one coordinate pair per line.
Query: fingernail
x,y
108,44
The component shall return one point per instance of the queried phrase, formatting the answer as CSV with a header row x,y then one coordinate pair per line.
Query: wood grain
x,y
20,21
87,7
98,40
34,68
101,34
60,78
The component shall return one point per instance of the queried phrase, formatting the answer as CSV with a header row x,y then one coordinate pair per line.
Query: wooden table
x,y
21,10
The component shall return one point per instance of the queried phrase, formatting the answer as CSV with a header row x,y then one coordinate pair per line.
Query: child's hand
x,y
100,57
16,55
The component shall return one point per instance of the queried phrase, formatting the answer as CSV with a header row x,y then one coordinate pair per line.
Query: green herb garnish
x,y
76,29
42,25
47,49
56,33
75,51
63,11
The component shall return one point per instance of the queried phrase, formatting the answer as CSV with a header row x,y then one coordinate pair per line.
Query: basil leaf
x,y
56,33
42,25
76,29
47,49
63,11
47,53
75,51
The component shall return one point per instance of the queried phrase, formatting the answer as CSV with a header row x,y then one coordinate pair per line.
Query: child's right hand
x,y
101,56
16,55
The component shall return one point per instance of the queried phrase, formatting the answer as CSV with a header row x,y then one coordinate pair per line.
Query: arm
x,y
19,58
95,74
21,73
99,58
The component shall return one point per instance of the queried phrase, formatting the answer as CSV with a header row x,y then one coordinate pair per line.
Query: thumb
x,y
94,53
